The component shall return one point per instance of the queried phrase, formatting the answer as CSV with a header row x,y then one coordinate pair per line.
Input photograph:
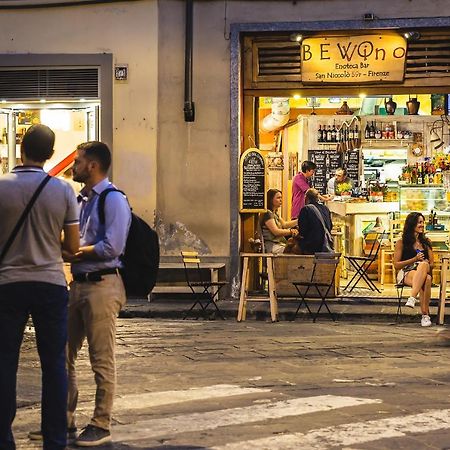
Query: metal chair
x,y
322,279
204,291
363,263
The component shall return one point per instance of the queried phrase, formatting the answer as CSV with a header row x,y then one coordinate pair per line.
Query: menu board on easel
x,y
327,161
252,181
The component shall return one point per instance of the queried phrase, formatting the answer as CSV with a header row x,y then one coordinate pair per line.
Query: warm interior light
x,y
56,119
297,96
296,37
42,100
3,101
412,35
362,95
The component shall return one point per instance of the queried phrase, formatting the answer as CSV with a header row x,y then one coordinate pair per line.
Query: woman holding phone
x,y
413,259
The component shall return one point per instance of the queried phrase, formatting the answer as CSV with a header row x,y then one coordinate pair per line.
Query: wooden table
x,y
245,297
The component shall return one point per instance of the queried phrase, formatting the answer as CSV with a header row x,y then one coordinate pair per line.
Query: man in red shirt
x,y
300,184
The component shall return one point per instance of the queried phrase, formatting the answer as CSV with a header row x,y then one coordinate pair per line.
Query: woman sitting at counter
x,y
413,258
274,228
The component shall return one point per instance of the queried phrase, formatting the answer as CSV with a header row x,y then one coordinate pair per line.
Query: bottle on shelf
x,y
435,221
319,134
367,131
356,132
377,132
372,131
430,218
333,132
329,134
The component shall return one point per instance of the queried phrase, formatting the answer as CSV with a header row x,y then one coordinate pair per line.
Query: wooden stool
x,y
244,296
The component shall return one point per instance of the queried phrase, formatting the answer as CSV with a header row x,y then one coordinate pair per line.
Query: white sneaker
x,y
411,302
426,321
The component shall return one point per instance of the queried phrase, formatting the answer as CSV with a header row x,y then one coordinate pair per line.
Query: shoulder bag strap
x,y
319,216
101,202
22,218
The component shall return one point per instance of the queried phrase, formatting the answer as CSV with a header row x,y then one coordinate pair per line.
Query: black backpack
x,y
141,256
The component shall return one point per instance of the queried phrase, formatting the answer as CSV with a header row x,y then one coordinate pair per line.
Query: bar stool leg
x,y
243,296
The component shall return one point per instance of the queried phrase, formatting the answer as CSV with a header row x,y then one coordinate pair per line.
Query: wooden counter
x,y
356,216
346,208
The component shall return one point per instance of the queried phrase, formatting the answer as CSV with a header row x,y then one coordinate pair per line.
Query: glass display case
x,y
423,198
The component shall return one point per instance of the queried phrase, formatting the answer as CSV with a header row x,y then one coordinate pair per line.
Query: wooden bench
x,y
171,277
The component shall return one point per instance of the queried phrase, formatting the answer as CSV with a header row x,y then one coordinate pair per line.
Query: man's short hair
x,y
97,151
311,196
37,143
341,169
308,165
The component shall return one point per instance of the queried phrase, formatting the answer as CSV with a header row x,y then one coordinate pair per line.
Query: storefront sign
x,y
353,59
253,181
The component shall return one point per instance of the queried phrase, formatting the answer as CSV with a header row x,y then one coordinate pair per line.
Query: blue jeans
x,y
47,305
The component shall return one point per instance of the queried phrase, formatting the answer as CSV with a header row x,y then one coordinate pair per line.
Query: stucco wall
x,y
130,32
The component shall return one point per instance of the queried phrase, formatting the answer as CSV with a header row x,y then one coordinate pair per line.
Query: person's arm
x,y
330,186
288,224
71,241
398,264
272,227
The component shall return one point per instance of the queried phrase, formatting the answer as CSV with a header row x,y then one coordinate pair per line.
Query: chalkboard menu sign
x,y
253,181
352,158
328,160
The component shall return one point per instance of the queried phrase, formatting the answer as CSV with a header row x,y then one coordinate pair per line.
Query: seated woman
x,y
413,258
314,223
274,228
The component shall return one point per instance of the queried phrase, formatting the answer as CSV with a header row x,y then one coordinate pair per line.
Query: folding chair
x,y
204,291
399,287
322,279
363,263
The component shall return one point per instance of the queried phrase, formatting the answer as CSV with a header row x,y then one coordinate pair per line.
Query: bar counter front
x,y
355,216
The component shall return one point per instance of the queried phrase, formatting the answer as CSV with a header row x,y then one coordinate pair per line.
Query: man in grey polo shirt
x,y
32,282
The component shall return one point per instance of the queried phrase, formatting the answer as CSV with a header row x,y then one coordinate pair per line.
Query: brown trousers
x,y
93,309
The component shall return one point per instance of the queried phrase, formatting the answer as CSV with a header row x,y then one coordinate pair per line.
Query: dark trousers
x,y
47,305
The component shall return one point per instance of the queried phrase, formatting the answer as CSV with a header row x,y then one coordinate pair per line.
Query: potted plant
x,y
344,190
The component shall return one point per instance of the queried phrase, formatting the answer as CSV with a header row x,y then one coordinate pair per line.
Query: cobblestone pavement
x,y
224,385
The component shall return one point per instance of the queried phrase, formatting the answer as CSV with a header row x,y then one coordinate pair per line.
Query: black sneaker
x,y
92,436
37,435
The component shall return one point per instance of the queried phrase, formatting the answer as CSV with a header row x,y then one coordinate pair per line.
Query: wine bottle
x,y
333,132
329,134
319,134
377,132
367,131
372,131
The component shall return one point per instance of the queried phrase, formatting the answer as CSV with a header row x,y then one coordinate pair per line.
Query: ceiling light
x,y
42,100
295,37
362,95
297,96
412,35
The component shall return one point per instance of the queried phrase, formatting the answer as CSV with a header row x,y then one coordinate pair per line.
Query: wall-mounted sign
x,y
253,181
121,72
354,59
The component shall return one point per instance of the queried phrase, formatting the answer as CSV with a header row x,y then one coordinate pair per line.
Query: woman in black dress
x,y
413,259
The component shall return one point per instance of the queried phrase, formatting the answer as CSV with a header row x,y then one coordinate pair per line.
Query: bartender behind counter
x,y
339,183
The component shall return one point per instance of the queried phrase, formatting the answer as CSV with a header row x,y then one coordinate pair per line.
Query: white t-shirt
x,y
35,254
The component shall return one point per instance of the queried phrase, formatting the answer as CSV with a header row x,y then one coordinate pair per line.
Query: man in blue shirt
x,y
97,292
